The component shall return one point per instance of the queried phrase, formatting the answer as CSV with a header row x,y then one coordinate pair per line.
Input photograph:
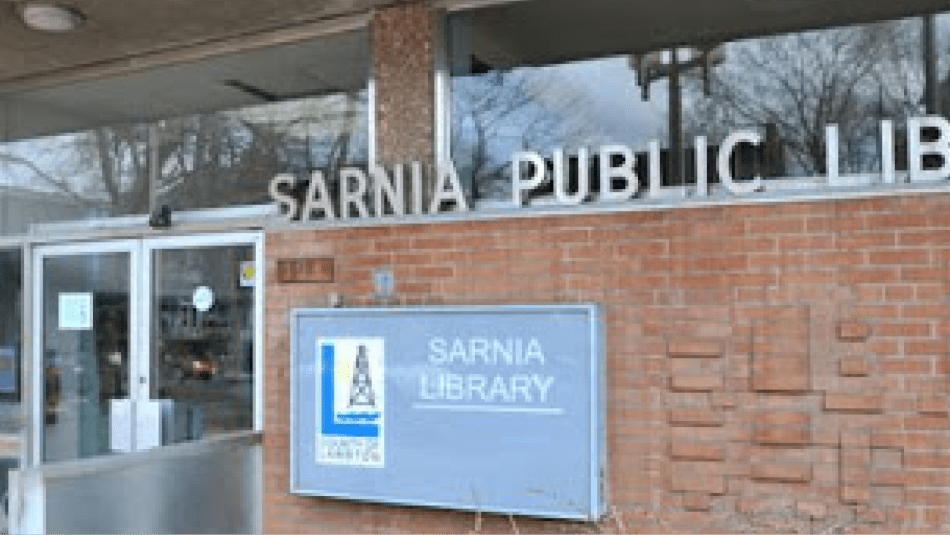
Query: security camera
x,y
161,217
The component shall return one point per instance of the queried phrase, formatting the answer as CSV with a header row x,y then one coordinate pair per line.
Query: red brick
x,y
645,248
908,366
696,348
855,495
871,275
853,331
925,310
893,478
905,329
778,383
696,501
900,219
723,400
696,451
853,366
782,436
697,477
782,428
927,422
782,472
854,403
811,509
871,515
855,438
899,257
887,458
776,225
927,460
782,419
925,347
694,418
835,258
934,405
808,242
695,383
773,371
923,274
868,239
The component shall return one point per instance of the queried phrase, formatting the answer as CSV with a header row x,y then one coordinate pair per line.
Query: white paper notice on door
x,y
75,311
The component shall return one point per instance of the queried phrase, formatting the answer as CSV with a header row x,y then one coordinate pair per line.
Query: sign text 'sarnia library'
x,y
483,266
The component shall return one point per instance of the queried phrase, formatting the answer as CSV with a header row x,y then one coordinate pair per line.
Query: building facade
x,y
753,197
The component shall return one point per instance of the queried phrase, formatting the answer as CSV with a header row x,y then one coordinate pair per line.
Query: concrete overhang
x,y
142,60
118,32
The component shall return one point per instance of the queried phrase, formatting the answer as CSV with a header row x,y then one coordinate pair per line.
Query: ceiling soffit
x,y
135,34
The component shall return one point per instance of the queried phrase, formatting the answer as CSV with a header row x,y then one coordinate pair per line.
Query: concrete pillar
x,y
403,38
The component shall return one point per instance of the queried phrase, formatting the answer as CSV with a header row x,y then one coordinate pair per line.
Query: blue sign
x,y
9,371
494,409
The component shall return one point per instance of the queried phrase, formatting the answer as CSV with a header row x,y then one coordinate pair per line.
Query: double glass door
x,y
142,343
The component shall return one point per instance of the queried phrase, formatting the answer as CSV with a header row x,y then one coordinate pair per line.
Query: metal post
x,y
152,141
676,167
931,98
29,396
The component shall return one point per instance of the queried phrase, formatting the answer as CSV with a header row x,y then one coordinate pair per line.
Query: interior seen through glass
x,y
203,339
200,363
85,351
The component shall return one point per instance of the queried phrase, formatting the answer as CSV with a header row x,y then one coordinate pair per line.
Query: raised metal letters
x,y
529,173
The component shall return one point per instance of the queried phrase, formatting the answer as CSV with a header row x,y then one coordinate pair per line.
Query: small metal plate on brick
x,y
290,270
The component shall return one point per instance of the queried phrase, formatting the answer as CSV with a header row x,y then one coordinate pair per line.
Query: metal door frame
x,y
254,239
133,248
140,252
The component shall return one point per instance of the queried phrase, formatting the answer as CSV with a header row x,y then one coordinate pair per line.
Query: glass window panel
x,y
11,299
208,133
203,339
86,331
96,173
796,84
513,92
229,158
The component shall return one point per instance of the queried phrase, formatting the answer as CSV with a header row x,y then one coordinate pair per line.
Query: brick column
x,y
403,39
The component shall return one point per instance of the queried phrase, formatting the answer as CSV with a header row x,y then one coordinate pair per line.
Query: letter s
x,y
437,349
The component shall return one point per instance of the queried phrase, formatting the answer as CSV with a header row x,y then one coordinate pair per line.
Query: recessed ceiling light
x,y
51,17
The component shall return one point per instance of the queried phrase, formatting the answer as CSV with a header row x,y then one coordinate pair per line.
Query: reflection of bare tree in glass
x,y
498,113
850,76
218,159
228,159
43,178
122,166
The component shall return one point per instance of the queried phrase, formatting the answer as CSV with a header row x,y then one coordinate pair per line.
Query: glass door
x,y
143,343
204,334
85,331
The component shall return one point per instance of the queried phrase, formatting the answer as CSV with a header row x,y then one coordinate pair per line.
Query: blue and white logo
x,y
351,398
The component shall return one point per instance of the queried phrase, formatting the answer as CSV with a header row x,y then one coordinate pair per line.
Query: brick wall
x,y
770,368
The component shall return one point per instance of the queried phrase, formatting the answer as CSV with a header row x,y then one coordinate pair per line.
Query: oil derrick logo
x,y
361,391
351,396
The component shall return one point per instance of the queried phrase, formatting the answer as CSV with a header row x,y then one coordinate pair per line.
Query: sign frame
x,y
595,509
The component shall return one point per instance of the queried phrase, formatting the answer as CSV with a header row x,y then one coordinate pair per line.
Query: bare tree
x,y
800,83
498,113
205,160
